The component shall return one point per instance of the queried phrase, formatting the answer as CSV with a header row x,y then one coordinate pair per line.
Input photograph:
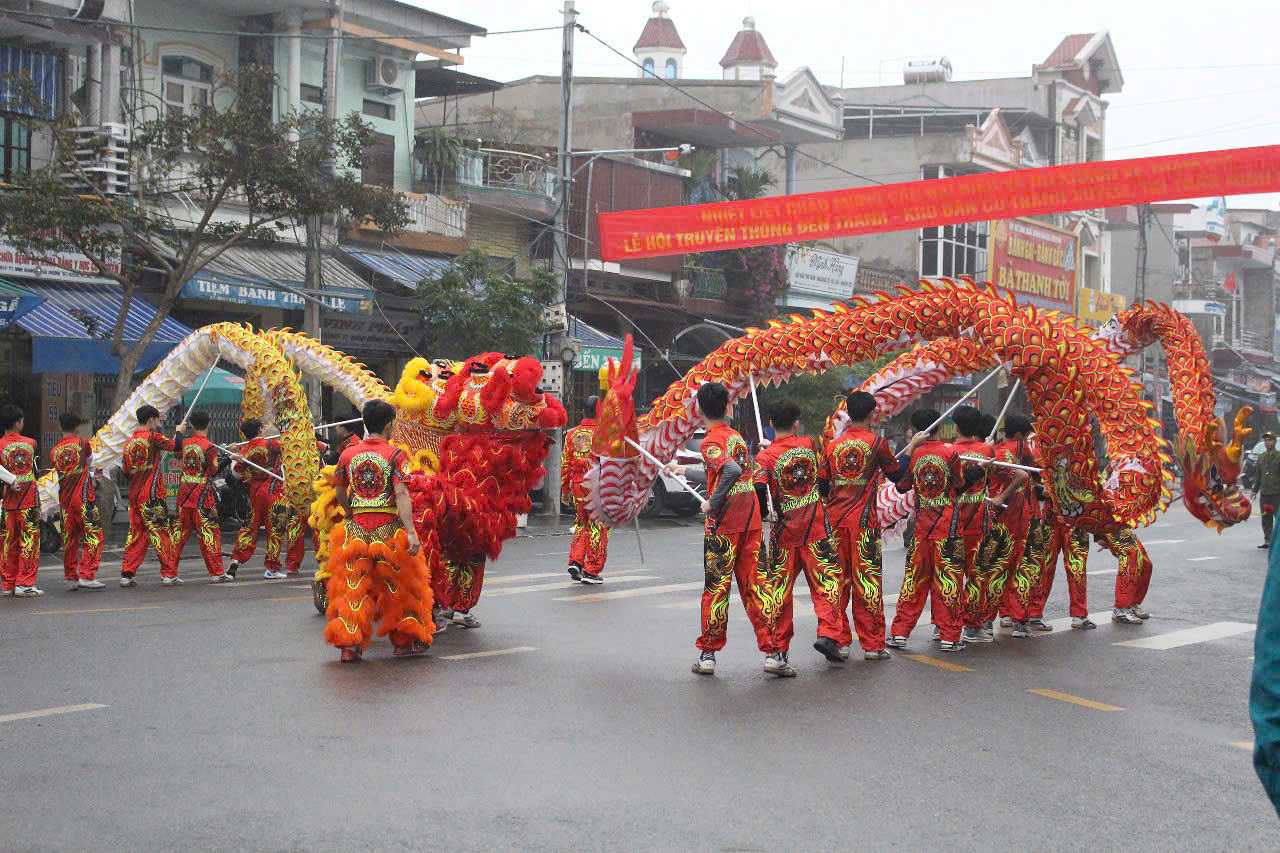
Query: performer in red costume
x,y
149,520
77,498
858,460
267,506
1013,504
731,544
1073,544
971,524
197,506
590,545
935,558
20,554
789,469
378,577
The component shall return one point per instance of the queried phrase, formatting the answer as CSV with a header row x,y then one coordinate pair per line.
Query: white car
x,y
668,494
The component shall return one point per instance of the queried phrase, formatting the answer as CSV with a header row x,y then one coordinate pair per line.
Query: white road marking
x,y
559,587
1199,559
1151,542
49,712
1102,572
1190,636
491,653
633,593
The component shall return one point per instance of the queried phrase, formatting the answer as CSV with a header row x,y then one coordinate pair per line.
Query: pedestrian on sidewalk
x,y
20,550
149,519
197,506
1266,482
589,547
82,538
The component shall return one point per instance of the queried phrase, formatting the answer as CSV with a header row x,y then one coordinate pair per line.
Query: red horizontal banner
x,y
694,228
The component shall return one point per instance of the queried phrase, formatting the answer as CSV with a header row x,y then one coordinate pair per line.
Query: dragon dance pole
x,y
986,461
681,480
755,402
1004,411
230,452
942,417
317,429
200,390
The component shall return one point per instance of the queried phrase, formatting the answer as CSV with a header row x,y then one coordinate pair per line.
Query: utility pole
x,y
560,308
316,224
1140,278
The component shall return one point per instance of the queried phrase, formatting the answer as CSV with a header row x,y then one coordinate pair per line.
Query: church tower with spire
x,y
659,49
748,56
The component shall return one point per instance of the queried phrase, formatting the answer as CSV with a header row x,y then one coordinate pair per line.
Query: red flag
x,y
1229,283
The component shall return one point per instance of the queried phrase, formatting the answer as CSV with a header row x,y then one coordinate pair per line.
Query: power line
x,y
769,138
255,34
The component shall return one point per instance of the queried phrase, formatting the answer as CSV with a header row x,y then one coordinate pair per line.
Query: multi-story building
x,y
112,64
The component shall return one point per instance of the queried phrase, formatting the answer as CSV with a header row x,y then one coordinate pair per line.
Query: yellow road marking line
x,y
49,712
940,664
1243,744
1074,700
95,610
491,653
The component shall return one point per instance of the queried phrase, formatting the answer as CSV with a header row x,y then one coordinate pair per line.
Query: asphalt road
x,y
218,719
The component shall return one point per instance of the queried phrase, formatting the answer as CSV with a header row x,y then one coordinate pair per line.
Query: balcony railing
x,y
101,158
491,168
433,214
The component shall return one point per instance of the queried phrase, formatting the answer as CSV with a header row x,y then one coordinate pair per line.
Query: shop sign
x,y
821,273
219,287
1034,260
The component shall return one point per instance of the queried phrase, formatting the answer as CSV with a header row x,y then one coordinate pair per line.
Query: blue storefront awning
x,y
404,268
71,329
15,302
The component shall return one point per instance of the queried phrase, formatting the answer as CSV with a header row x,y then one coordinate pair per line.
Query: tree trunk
x,y
129,358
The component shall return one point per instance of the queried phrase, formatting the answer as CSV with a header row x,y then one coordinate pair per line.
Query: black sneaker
x,y
232,568
592,580
575,572
829,649
1264,546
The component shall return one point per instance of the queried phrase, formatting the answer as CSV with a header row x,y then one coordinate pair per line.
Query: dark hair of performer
x,y
11,418
148,416
925,419
70,422
251,428
860,406
968,421
1017,426
784,415
988,426
377,415
591,406
713,401
199,420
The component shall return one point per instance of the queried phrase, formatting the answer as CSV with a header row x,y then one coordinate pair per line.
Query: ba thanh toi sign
x,y
1035,261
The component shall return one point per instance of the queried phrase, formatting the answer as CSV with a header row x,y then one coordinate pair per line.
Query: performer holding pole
x,y
858,460
149,519
82,538
257,465
731,540
589,547
197,507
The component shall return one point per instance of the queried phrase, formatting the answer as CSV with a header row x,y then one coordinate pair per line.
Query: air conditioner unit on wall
x,y
384,74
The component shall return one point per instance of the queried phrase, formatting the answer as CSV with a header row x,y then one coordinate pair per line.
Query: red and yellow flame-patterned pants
x,y
996,565
590,545
20,551
202,521
740,555
1133,577
149,524
457,584
82,541
285,530
935,568
1073,544
861,553
1023,582
375,586
820,563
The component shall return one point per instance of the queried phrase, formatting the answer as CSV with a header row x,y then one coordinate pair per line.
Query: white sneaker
x,y
1125,617
224,578
843,651
777,664
896,642
1141,612
173,581
975,635
705,664
937,635
94,584
1006,622
72,585
126,581
273,576
464,620
27,592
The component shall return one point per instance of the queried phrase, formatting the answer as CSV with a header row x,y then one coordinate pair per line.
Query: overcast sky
x,y
1197,76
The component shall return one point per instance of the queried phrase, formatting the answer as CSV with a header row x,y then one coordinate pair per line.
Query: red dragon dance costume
x,y
197,506
82,539
590,545
20,554
149,521
374,583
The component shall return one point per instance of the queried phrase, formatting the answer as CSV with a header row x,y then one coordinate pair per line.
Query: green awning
x,y
224,388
